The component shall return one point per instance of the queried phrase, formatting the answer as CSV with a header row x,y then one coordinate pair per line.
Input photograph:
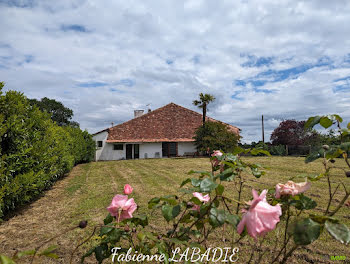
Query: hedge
x,y
34,150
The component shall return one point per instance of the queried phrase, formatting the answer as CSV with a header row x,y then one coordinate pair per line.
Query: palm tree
x,y
204,100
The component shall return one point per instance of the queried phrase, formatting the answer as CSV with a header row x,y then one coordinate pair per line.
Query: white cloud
x,y
173,50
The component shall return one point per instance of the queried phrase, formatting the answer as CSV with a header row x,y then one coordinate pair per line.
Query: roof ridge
x,y
159,109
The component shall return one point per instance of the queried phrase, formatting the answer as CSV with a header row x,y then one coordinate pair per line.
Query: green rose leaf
x,y
338,118
326,122
102,252
48,252
207,185
256,172
202,173
305,231
196,182
232,219
153,202
170,212
220,189
227,175
141,220
303,202
312,121
339,231
185,182
108,219
105,229
217,217
6,260
321,219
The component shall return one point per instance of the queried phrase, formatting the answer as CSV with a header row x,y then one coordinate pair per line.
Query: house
x,y
165,132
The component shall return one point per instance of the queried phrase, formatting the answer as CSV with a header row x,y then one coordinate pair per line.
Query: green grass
x,y
157,177
89,188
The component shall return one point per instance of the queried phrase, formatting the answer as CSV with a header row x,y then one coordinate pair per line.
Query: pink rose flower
x,y
127,189
196,207
202,198
121,207
291,188
261,216
216,153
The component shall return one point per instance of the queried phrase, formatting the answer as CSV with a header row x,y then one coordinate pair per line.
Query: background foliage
x,y
34,150
215,135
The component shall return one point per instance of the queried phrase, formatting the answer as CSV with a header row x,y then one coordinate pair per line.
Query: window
x,y
99,144
118,147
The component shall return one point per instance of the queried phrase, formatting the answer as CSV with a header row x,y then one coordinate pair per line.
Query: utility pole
x,y
262,126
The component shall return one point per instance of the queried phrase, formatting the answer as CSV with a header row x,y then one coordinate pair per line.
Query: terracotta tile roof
x,y
170,123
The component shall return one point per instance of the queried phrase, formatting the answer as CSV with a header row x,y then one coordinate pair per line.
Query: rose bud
x,y
83,224
189,205
325,147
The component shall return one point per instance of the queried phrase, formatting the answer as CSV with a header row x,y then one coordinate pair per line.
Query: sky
x,y
105,59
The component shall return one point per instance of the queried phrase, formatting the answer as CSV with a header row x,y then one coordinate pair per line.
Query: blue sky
x,y
284,59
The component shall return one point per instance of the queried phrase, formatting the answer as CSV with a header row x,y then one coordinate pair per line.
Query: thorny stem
x,y
330,194
239,192
289,254
228,209
86,240
329,182
253,251
341,202
261,253
280,252
49,240
177,224
286,228
200,217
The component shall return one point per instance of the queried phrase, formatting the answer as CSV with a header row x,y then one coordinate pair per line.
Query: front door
x,y
128,151
136,151
169,149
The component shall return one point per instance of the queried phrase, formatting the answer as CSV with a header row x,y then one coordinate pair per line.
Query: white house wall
x,y
183,147
146,150
150,150
100,137
109,153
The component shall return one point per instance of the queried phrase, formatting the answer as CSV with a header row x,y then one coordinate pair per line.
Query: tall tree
x,y
204,100
215,136
292,132
59,113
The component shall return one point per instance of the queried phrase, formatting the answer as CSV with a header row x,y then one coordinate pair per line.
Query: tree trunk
x,y
204,113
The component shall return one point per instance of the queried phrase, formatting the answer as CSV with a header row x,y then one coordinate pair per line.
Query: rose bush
x,y
206,205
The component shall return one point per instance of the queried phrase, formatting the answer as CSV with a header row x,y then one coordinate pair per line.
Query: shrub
x,y
34,150
215,135
278,150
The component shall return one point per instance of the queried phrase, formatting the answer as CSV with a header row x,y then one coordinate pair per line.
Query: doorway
x,y
136,151
169,149
128,151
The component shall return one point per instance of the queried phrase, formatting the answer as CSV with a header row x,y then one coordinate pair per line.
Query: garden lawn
x,y
86,192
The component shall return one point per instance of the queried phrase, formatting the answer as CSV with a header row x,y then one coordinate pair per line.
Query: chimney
x,y
138,113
